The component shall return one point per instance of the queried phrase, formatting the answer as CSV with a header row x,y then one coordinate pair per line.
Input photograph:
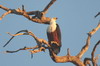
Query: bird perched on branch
x,y
54,36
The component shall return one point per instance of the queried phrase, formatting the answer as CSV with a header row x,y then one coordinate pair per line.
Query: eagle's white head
x,y
53,20
52,26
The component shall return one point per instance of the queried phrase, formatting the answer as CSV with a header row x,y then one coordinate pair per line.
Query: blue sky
x,y
75,17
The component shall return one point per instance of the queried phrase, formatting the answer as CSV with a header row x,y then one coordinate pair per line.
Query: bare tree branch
x,y
87,61
39,16
25,48
64,59
94,59
86,47
39,46
8,12
48,6
43,20
94,30
15,35
39,41
4,8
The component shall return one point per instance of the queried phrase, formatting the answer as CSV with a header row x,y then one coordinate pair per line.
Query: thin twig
x,y
15,35
25,48
8,12
94,59
48,6
97,14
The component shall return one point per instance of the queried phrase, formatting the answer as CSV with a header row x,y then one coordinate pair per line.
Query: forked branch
x,y
40,42
39,16
93,58
86,47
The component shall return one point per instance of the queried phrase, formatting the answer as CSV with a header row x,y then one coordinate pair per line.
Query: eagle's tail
x,y
55,47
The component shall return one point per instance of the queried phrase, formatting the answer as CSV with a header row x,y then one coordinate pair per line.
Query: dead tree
x,y
42,45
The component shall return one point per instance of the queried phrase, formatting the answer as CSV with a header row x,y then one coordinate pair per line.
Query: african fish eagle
x,y
54,36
